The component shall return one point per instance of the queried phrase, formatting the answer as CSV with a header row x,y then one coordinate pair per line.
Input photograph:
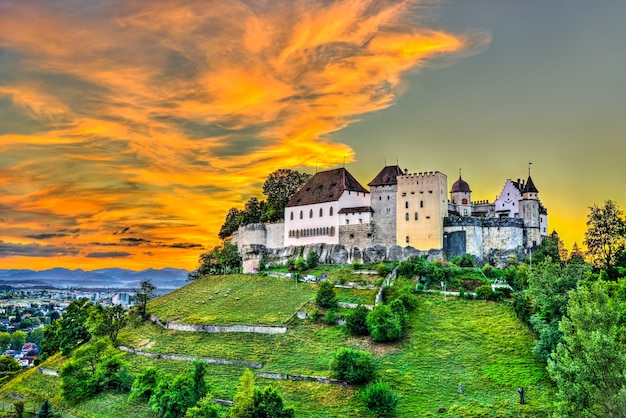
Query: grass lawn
x,y
479,344
252,299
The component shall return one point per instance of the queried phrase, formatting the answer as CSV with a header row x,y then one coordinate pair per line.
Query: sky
x,y
129,128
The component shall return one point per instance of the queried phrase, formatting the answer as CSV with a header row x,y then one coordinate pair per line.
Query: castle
x,y
403,214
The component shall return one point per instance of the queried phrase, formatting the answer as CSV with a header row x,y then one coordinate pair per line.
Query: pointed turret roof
x,y
326,186
529,187
387,176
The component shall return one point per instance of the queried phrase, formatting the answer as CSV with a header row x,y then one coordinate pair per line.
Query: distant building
x,y
121,298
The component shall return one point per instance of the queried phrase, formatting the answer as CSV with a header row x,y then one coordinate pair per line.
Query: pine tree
x,y
46,410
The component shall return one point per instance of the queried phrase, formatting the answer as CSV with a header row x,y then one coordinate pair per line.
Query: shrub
x,y
379,397
353,366
312,259
19,408
485,293
383,324
356,265
331,317
325,297
461,292
403,290
356,322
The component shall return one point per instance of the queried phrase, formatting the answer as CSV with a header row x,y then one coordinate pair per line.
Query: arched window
x,y
464,201
301,215
311,213
421,203
291,216
407,217
416,216
321,212
406,205
331,211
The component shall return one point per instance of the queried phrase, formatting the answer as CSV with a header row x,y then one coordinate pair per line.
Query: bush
x,y
402,289
325,297
379,397
461,292
353,366
331,317
356,322
485,293
383,324
312,259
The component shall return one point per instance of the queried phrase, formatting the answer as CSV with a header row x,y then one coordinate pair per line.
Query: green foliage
x,y
379,398
205,408
244,397
144,293
589,365
233,219
94,368
398,309
5,341
35,336
107,321
279,187
268,403
353,366
605,235
549,247
9,364
145,383
383,324
325,296
402,289
461,292
331,317
18,339
312,259
356,322
300,264
173,397
485,293
19,408
46,410
220,260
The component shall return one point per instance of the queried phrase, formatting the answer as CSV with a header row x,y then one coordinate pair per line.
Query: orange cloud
x,y
156,117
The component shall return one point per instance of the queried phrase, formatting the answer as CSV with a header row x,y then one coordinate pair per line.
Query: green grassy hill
x,y
479,344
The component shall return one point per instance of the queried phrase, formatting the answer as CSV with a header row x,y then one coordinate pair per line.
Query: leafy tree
x,y
173,397
353,366
549,247
604,237
268,403
107,321
356,322
5,340
8,365
205,408
279,187
145,383
576,255
252,211
144,293
220,259
325,296
244,397
68,331
19,408
233,220
46,410
589,365
383,324
312,259
379,397
18,339
402,289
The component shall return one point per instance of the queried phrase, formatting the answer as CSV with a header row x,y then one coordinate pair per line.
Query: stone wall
x,y
178,357
358,235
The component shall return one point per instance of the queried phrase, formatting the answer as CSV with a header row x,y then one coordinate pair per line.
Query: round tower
x,y
461,196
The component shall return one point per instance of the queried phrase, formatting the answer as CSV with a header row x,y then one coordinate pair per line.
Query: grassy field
x,y
234,299
479,344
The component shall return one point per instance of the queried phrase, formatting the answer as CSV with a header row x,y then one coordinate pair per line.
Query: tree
x,y
144,293
145,383
589,365
325,296
549,247
279,187
576,255
231,223
353,366
18,339
356,322
205,408
383,324
604,237
68,331
244,397
5,340
9,365
173,397
221,259
379,397
107,321
268,403
46,410
252,211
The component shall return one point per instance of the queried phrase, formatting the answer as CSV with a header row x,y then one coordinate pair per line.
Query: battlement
x,y
409,176
483,222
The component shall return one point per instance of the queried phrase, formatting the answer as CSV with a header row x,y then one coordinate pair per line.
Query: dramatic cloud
x,y
162,115
109,254
34,250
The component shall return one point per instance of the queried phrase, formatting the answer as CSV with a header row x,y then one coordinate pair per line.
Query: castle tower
x,y
383,191
422,203
529,208
461,196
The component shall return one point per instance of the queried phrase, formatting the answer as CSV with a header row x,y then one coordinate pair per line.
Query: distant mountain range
x,y
167,278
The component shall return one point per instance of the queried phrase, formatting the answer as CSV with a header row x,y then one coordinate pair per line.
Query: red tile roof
x,y
387,176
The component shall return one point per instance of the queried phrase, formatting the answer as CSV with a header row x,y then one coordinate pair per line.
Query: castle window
x,y
347,221
406,217
430,191
331,211
291,216
311,213
387,197
406,205
421,203
403,194
381,198
407,239
301,215
360,220
351,236
464,201
416,216
321,212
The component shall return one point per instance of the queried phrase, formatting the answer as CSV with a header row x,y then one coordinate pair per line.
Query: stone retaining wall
x,y
256,329
48,372
178,357
318,379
